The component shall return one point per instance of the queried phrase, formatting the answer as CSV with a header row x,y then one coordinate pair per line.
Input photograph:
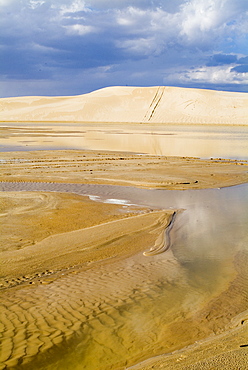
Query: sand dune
x,y
132,104
68,282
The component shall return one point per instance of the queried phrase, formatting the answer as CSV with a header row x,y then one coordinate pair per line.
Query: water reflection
x,y
203,141
177,140
143,306
214,219
209,232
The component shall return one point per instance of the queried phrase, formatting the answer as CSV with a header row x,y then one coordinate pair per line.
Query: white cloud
x,y
200,16
6,2
36,3
142,46
73,7
146,32
79,29
201,24
145,40
211,75
132,16
205,21
147,21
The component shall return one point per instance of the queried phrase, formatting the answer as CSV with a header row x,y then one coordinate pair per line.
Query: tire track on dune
x,y
154,104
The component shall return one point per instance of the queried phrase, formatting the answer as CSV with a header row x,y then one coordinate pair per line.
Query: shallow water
x,y
202,141
144,306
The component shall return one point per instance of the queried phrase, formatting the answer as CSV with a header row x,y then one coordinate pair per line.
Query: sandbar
x,y
126,169
80,273
80,242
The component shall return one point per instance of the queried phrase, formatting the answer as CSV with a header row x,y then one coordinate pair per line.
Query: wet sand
x,y
224,351
83,282
43,255
80,270
99,167
86,312
73,270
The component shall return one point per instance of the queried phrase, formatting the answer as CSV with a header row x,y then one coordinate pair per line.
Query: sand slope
x,y
132,104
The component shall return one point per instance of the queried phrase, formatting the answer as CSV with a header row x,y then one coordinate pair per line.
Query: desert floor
x,y
72,266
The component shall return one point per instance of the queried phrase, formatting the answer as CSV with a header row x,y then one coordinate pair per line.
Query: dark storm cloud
x,y
242,65
222,59
75,46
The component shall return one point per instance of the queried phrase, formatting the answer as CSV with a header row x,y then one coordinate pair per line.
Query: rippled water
x,y
144,306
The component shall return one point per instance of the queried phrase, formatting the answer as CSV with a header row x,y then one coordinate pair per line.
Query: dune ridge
x,y
159,104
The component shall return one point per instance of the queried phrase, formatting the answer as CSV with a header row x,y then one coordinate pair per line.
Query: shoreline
x,y
103,123
52,254
120,168
83,282
193,141
114,168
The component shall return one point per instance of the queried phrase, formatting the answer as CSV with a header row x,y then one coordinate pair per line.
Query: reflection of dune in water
x,y
202,141
117,314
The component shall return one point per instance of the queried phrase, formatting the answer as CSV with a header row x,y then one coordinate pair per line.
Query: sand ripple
x,y
81,302
96,309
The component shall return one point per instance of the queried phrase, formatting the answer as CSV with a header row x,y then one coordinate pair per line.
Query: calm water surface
x,y
202,141
155,309
160,294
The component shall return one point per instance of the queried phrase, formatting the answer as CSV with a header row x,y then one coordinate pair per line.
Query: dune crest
x,y
158,104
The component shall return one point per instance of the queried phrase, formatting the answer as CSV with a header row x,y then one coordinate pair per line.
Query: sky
x,y
71,47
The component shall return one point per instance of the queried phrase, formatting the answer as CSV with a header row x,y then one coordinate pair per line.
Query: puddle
x,y
141,307
202,141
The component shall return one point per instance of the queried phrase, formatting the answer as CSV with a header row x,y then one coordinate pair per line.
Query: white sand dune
x,y
132,104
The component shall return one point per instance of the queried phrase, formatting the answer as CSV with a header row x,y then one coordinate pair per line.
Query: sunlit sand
x,y
132,104
112,259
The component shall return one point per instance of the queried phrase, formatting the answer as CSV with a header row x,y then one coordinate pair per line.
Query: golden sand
x,y
79,278
73,270
147,171
62,251
224,351
224,344
63,266
159,104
